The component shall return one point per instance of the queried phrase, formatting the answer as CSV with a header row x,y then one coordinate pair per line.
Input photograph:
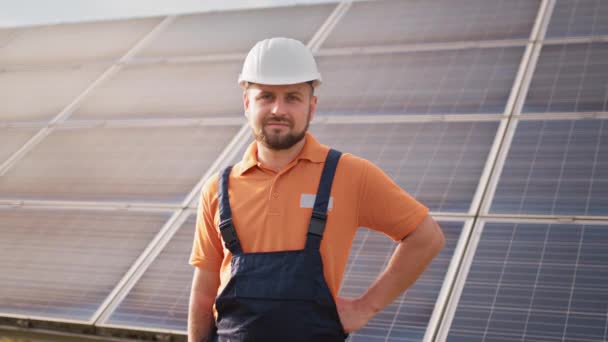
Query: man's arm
x,y
410,259
202,296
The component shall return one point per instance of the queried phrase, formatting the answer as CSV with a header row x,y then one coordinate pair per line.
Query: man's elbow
x,y
428,236
438,240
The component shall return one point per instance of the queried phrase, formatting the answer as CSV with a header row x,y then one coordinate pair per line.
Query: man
x,y
274,232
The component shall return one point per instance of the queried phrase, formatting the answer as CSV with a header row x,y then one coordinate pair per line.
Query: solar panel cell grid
x,y
154,164
438,163
469,81
53,89
555,168
535,282
432,22
578,18
167,91
570,78
63,263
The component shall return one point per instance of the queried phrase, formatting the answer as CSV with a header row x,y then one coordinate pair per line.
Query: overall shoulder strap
x,y
316,227
231,240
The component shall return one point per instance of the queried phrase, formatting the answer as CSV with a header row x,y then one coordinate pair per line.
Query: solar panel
x,y
407,318
160,297
52,88
373,23
438,163
167,90
467,81
71,43
236,31
11,139
535,282
555,168
238,156
579,18
62,264
570,78
152,164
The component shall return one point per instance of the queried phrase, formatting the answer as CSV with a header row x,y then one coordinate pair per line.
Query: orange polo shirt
x,y
271,210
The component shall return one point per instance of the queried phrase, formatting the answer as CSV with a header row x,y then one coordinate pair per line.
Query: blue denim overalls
x,y
278,296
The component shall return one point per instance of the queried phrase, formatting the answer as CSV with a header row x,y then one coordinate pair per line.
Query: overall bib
x,y
278,296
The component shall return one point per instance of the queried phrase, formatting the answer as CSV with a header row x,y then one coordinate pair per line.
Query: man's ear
x,y
313,107
245,102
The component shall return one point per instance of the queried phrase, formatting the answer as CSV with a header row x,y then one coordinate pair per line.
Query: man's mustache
x,y
278,120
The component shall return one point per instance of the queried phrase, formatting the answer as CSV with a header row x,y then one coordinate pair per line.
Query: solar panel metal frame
x,y
469,255
531,59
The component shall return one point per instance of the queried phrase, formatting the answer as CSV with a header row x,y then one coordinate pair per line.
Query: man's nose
x,y
279,106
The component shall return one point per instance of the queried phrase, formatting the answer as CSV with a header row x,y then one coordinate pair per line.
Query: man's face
x,y
279,114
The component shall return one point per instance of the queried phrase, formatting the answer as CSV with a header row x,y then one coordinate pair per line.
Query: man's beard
x,y
277,141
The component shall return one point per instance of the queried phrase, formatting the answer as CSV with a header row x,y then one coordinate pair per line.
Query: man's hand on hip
x,y
354,314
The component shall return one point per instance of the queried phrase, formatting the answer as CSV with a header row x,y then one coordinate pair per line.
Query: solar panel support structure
x,y
540,29
126,206
575,40
320,36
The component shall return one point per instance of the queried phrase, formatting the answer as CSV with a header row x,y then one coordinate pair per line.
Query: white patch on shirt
x,y
308,201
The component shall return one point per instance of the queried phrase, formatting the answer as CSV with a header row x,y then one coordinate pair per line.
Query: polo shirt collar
x,y
312,151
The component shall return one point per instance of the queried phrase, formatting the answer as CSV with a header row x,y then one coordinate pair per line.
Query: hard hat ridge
x,y
277,61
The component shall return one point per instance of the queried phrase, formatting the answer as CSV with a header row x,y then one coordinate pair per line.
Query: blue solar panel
x,y
407,318
578,18
463,81
432,22
62,264
535,282
570,78
555,168
439,163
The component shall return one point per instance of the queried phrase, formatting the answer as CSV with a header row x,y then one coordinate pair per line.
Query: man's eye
x,y
293,98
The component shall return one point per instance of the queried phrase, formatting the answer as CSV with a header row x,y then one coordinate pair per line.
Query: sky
x,y
17,13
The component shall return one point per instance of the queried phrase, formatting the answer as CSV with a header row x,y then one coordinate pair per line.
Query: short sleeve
x,y
207,252
386,207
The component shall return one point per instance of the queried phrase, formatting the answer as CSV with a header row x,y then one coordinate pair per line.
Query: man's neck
x,y
277,159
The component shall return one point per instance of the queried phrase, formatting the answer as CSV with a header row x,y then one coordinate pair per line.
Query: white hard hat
x,y
278,61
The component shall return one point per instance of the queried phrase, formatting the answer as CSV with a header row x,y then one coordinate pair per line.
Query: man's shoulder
x,y
352,161
210,185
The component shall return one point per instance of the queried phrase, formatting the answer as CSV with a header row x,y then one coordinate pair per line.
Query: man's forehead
x,y
287,88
